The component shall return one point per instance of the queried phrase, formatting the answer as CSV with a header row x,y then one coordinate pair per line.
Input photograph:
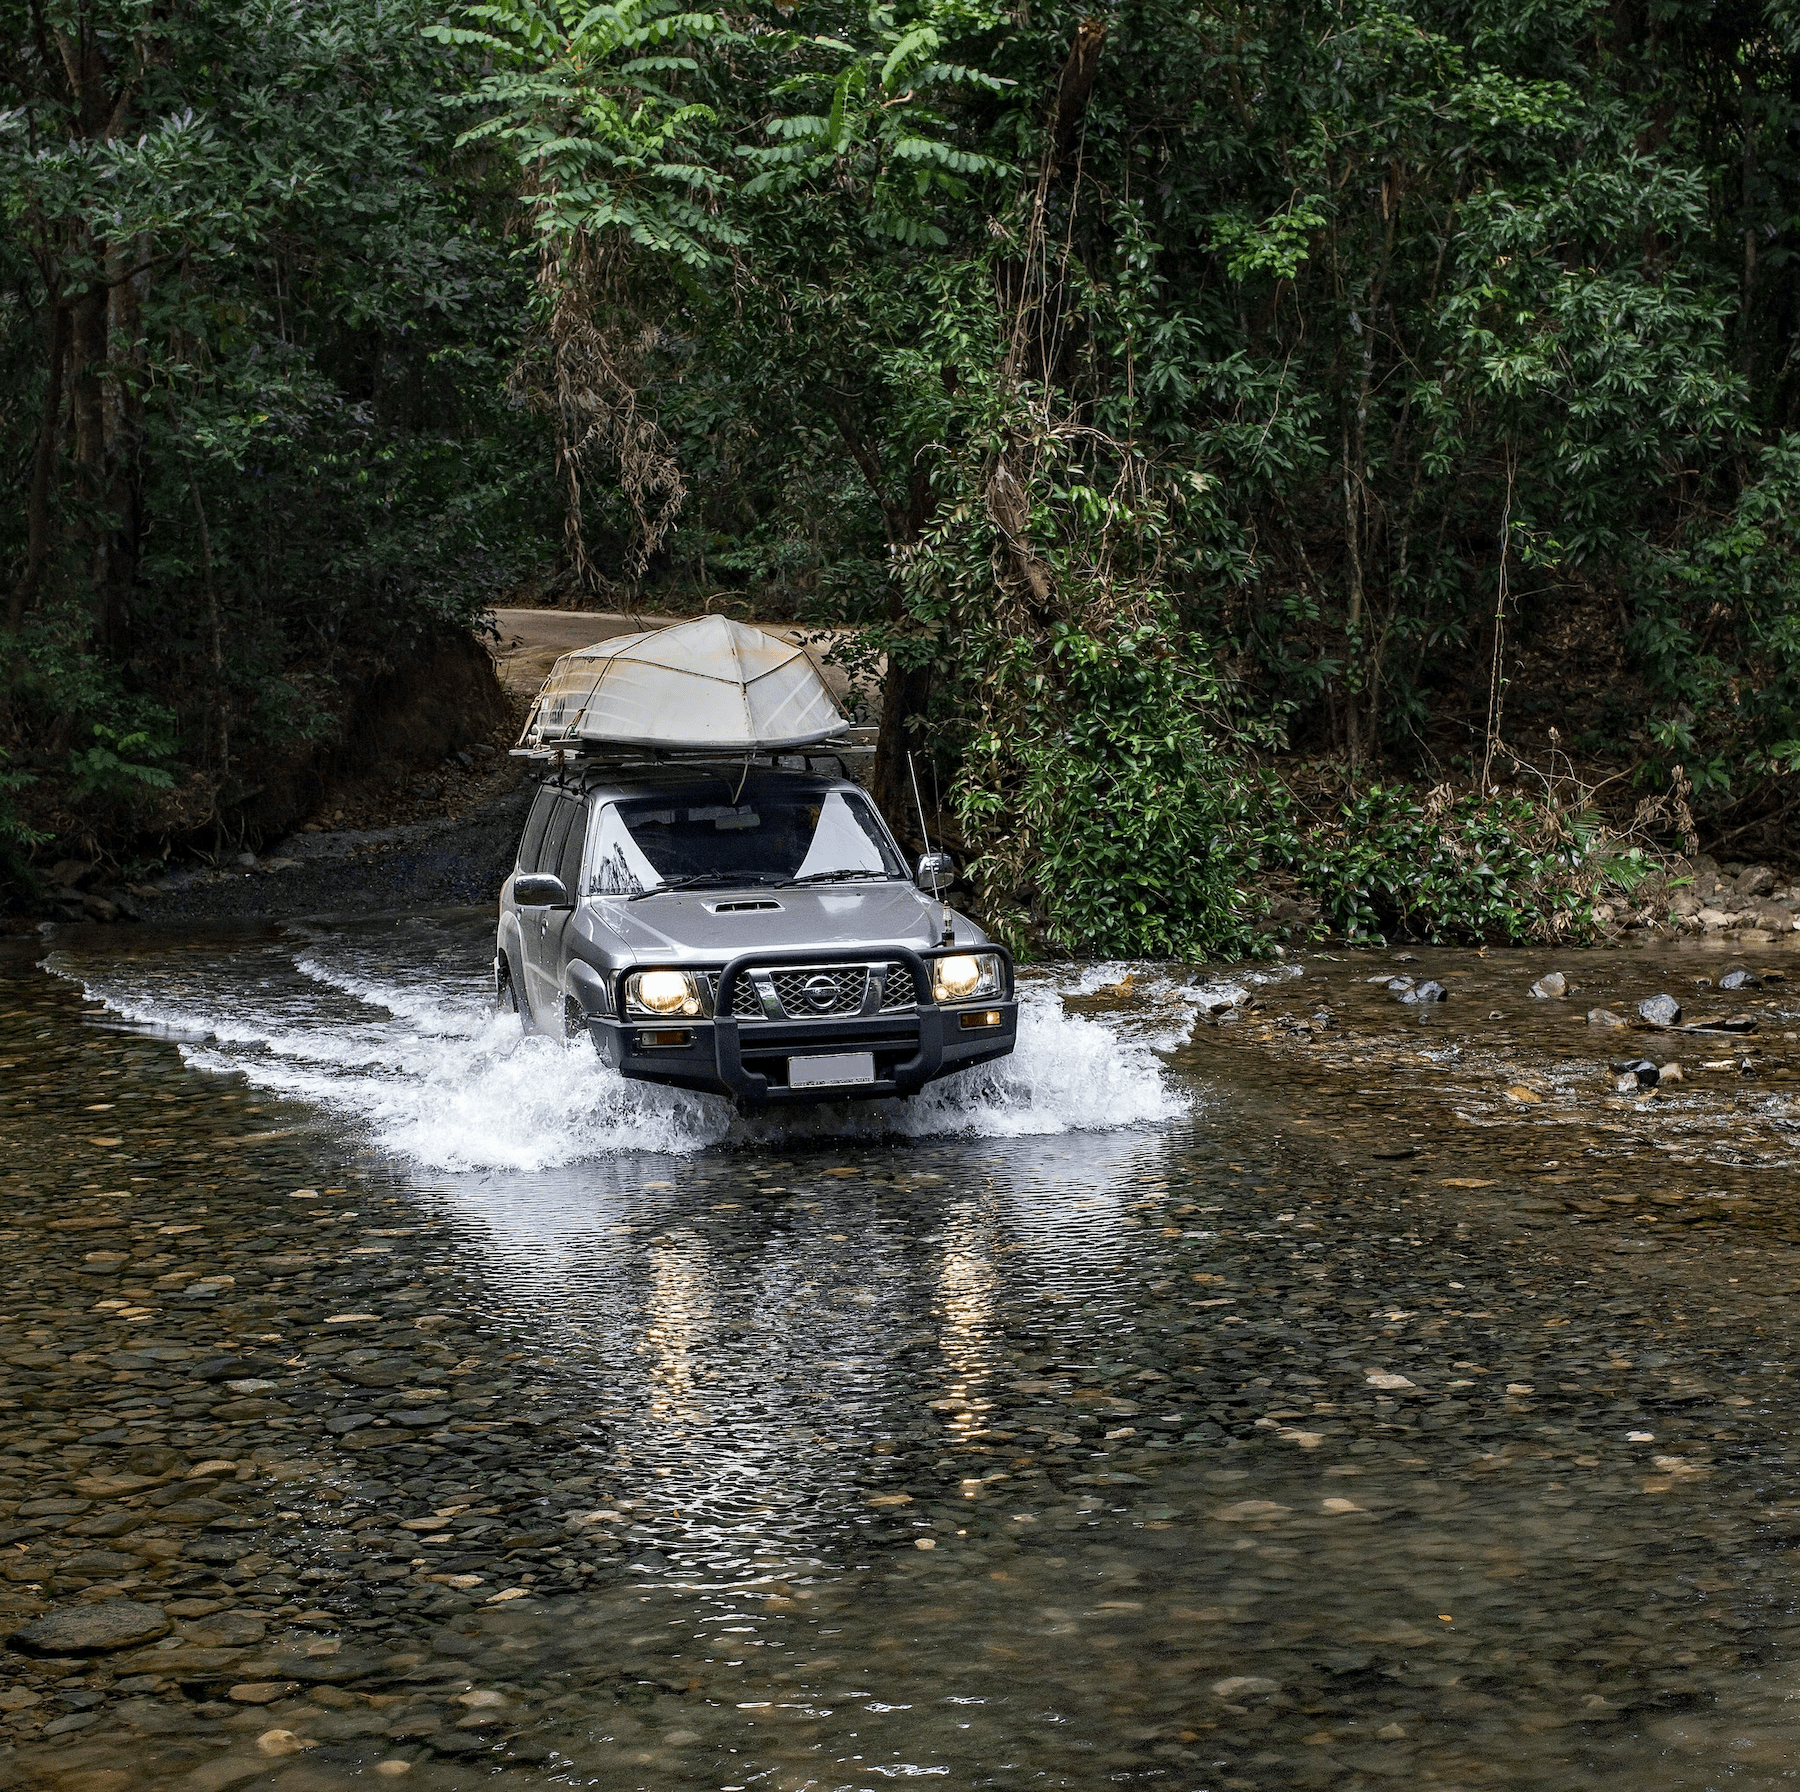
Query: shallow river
x,y
1253,1383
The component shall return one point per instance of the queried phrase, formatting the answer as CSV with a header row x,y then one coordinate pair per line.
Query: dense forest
x,y
1403,398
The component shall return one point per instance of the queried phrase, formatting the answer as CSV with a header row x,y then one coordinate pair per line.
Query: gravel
x,y
1368,1425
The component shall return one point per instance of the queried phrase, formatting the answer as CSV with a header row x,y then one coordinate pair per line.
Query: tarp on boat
x,y
708,685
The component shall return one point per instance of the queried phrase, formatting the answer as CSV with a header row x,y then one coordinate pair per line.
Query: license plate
x,y
835,1071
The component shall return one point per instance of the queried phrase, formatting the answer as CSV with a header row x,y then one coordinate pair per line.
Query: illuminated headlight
x,y
967,977
661,992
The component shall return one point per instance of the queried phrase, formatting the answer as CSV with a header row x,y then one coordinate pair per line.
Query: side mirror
x,y
937,872
540,890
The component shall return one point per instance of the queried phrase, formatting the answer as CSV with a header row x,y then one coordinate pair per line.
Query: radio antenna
x,y
919,801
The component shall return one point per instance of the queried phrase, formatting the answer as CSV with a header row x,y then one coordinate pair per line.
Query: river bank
x,y
1375,1391
463,855
403,823
407,824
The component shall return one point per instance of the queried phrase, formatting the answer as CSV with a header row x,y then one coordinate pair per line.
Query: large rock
x,y
1289,915
91,1629
1660,1011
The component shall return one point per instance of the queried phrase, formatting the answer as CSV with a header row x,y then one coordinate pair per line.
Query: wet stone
x,y
91,1629
1660,1010
1429,991
98,1562
1352,1421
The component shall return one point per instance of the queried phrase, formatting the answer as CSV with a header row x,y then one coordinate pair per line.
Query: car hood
x,y
841,917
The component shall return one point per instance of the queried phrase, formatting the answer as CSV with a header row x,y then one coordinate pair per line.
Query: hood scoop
x,y
742,908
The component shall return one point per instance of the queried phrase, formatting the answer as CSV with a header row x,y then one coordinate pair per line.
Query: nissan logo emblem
x,y
820,993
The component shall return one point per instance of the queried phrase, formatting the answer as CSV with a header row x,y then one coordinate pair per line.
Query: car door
x,y
518,924
559,854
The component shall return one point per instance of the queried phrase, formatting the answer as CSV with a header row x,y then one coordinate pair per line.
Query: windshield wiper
x,y
697,878
827,877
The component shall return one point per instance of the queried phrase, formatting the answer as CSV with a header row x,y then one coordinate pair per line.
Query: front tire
x,y
574,1021
506,992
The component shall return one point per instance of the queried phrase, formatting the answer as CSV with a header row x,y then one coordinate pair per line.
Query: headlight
x,y
661,992
968,977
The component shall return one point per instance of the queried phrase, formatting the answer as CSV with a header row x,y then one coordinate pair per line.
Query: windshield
x,y
765,836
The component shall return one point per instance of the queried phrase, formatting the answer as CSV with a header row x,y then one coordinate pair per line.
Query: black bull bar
x,y
799,1035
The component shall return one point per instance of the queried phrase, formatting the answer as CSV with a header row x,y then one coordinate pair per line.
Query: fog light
x,y
986,1017
670,1036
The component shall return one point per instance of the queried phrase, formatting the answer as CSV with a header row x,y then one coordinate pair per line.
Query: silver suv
x,y
749,932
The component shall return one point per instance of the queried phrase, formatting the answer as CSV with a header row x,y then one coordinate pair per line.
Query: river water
x,y
1256,1382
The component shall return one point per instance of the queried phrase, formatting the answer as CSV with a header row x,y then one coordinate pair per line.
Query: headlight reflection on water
x,y
970,1290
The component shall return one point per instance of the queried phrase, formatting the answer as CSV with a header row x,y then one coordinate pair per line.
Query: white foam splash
x,y
424,1007
493,1099
423,1063
1067,1073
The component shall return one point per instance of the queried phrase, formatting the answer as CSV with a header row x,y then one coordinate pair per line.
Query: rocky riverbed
x,y
1271,1381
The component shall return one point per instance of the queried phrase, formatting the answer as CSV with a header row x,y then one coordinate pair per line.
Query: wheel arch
x,y
589,986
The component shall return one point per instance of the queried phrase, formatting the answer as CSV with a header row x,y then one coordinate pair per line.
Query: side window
x,y
569,867
535,823
556,836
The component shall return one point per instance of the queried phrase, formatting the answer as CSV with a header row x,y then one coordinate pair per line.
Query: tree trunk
x,y
87,410
105,400
37,518
1073,89
905,696
905,692
106,441
120,527
214,628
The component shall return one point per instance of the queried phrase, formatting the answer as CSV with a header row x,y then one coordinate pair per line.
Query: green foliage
x,y
287,455
17,835
1314,348
586,98
882,124
1717,632
1441,868
1107,797
119,769
1275,247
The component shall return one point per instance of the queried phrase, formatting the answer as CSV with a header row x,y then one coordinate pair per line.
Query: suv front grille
x,y
829,989
847,986
900,990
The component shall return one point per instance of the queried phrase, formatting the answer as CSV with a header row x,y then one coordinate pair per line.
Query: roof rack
x,y
852,743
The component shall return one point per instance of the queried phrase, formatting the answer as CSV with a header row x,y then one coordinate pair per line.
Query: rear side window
x,y
535,823
556,836
569,865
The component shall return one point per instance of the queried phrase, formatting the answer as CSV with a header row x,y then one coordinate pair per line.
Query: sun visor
x,y
709,685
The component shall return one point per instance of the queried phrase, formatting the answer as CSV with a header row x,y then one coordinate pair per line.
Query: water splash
x,y
395,1032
